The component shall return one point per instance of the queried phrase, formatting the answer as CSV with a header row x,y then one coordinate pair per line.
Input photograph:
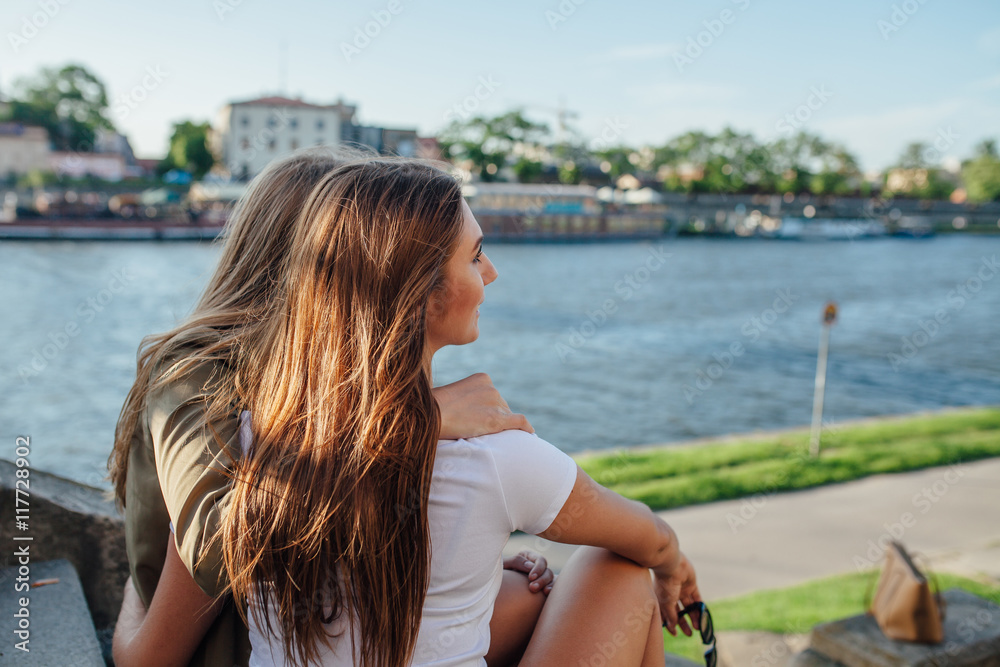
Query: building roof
x,y
148,164
279,101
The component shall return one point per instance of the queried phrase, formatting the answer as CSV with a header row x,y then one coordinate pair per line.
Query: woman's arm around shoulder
x,y
178,618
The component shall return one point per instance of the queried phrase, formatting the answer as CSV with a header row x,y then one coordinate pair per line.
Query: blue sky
x,y
930,69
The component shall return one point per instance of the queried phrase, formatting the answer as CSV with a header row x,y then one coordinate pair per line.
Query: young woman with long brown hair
x,y
358,534
177,435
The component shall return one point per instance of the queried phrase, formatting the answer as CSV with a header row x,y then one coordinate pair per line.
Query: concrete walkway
x,y
950,514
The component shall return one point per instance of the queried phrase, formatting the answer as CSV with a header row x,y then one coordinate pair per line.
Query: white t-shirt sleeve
x,y
535,478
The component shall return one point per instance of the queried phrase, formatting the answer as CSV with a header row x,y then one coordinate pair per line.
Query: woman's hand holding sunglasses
x,y
675,589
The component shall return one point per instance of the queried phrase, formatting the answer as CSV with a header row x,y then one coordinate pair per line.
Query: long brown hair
x,y
237,304
333,498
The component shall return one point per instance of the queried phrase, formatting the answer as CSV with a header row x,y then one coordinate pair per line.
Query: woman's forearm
x,y
600,517
130,620
668,554
168,633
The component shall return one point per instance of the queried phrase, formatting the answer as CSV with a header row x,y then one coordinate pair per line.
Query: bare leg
x,y
602,612
515,614
654,653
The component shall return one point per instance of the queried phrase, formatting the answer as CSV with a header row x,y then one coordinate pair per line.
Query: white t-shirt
x,y
482,490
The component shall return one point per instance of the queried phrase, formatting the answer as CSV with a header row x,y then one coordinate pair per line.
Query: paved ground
x,y
951,514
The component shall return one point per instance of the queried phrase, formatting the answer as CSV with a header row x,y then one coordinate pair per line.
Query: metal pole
x,y
817,419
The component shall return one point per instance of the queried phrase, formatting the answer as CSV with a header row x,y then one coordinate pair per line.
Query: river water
x,y
601,345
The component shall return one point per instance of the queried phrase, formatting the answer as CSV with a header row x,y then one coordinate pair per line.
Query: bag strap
x,y
908,561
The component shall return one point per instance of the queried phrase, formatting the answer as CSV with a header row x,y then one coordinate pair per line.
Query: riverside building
x,y
247,135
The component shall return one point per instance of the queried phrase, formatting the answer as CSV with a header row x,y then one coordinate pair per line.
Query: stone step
x,y
72,521
51,622
810,658
971,637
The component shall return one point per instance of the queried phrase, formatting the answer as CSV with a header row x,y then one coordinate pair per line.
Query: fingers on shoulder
x,y
505,420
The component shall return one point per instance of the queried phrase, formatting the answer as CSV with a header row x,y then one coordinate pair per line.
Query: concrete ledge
x,y
971,637
810,658
55,625
69,520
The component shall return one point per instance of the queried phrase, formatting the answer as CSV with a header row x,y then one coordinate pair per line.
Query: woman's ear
x,y
436,302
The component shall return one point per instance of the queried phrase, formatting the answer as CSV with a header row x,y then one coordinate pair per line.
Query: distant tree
x,y
487,142
694,147
574,160
728,162
570,173
926,181
618,161
674,183
189,150
37,179
981,174
987,148
794,161
691,150
839,173
528,171
69,102
914,156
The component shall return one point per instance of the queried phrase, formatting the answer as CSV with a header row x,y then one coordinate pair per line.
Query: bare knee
x,y
602,609
517,599
609,569
605,576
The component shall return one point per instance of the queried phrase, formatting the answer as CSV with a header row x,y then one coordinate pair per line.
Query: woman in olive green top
x,y
177,437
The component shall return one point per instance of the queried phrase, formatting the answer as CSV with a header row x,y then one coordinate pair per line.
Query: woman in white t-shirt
x,y
360,537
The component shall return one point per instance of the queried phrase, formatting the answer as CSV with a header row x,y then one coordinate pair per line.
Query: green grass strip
x,y
675,476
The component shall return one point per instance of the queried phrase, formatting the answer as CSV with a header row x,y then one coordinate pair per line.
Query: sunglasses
x,y
703,621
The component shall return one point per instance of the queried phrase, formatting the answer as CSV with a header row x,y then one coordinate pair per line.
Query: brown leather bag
x,y
904,606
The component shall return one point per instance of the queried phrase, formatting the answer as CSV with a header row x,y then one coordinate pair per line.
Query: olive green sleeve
x,y
191,468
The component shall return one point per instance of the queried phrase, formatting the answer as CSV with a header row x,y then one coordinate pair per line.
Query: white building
x,y
23,148
106,166
248,135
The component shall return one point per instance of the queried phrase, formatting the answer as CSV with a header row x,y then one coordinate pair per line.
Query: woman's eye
x,y
478,255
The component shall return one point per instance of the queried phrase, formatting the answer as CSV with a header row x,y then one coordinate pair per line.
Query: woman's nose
x,y
490,272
